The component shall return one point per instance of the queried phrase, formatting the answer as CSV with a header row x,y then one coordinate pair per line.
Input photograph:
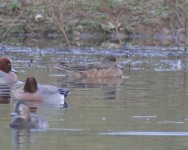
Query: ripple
x,y
171,122
144,116
145,133
64,129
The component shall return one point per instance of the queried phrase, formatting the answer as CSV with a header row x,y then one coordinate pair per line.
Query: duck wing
x,y
37,122
77,67
48,89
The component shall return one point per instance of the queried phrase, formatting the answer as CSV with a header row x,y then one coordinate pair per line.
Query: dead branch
x,y
56,12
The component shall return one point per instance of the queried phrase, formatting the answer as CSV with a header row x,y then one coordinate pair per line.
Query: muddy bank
x,y
87,23
90,39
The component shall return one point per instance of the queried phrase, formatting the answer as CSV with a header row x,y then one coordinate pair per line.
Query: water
x,y
145,110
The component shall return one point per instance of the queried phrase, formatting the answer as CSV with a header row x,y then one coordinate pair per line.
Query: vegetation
x,y
117,18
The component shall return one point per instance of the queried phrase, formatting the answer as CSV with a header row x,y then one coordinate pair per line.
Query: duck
x,y
107,68
23,118
34,92
7,73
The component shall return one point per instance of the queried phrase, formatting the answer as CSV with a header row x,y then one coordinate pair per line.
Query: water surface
x,y
145,110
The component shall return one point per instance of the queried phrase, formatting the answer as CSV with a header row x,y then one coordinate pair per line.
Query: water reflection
x,y
21,138
105,88
151,105
92,82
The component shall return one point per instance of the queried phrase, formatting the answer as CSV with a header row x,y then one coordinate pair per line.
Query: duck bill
x,y
120,66
13,114
13,70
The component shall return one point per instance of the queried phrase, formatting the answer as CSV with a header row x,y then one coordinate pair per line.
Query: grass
x,y
91,14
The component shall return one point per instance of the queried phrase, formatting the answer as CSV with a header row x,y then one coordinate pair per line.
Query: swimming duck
x,y
7,73
23,118
107,68
34,92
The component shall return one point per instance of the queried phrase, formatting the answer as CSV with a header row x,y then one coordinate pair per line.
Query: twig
x,y
114,19
56,12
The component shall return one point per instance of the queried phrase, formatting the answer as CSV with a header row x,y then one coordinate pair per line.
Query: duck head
x,y
23,118
109,61
31,85
21,110
6,65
